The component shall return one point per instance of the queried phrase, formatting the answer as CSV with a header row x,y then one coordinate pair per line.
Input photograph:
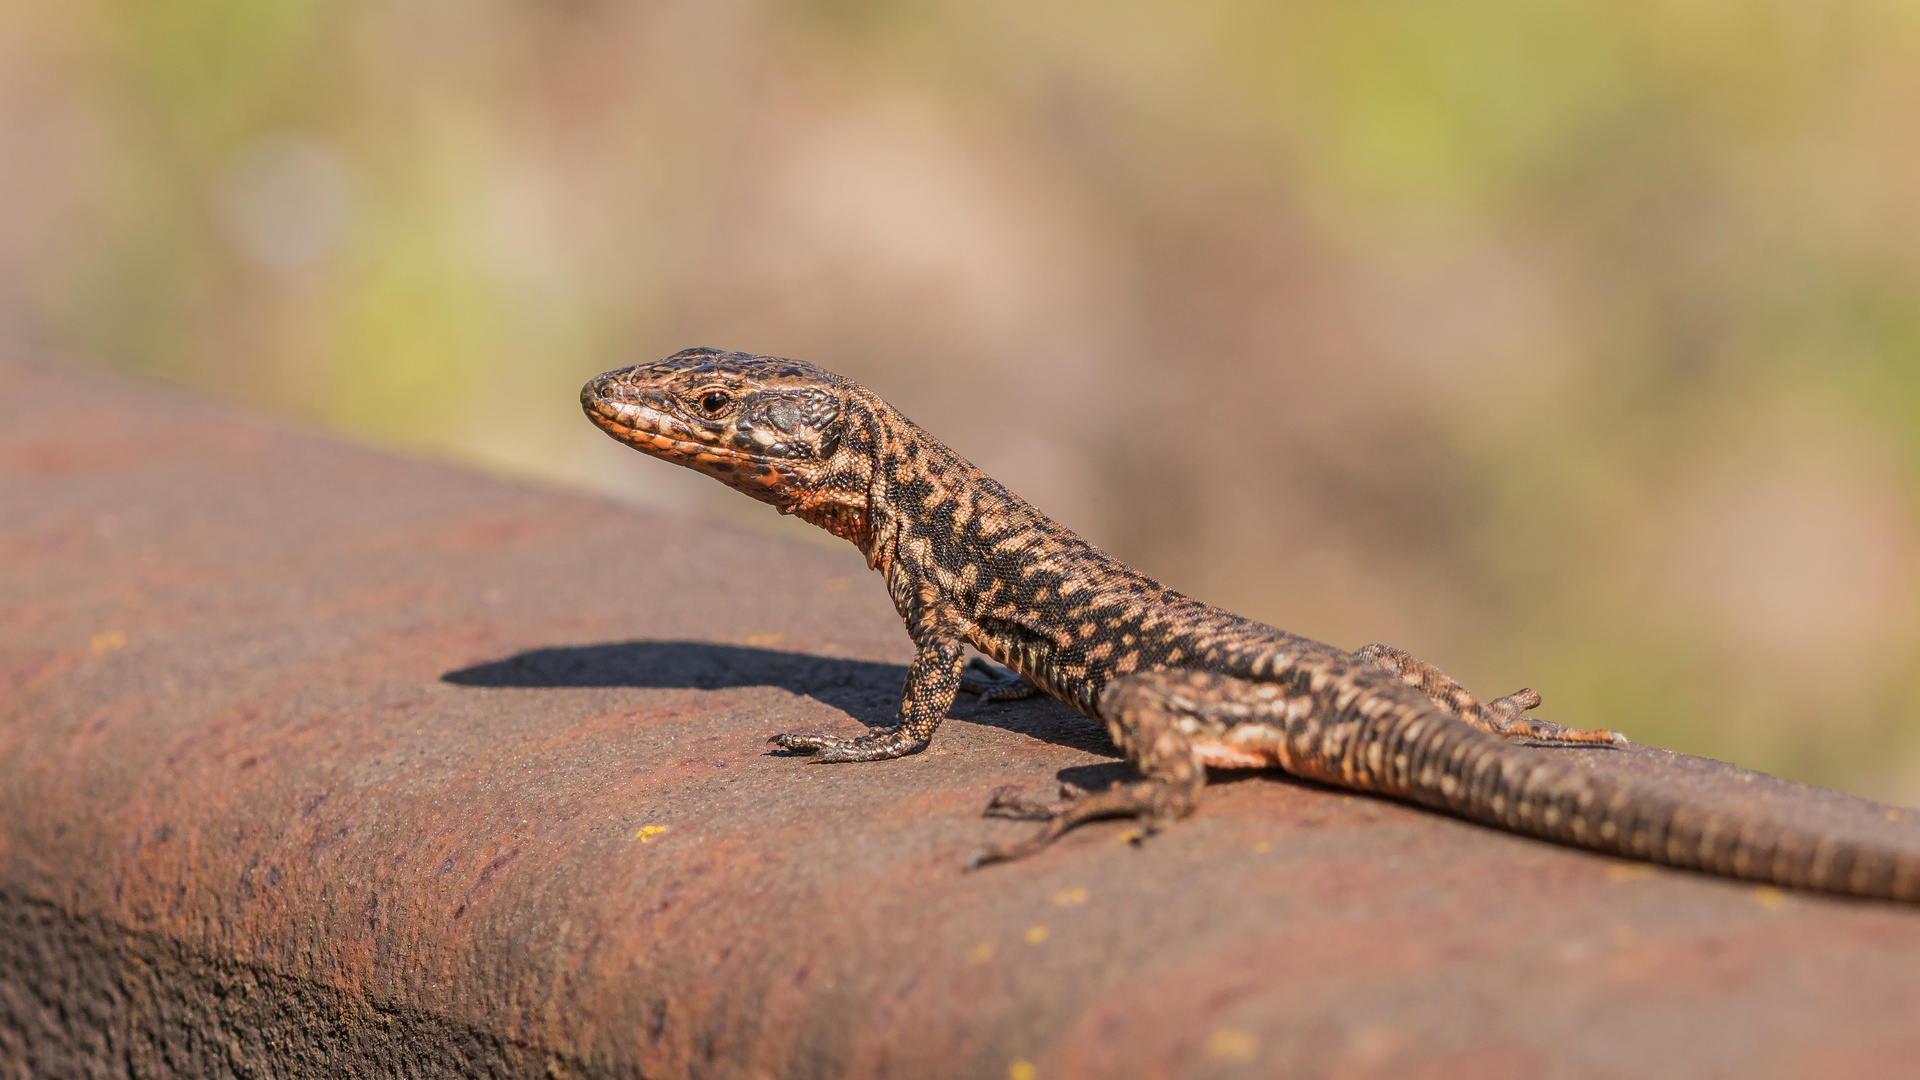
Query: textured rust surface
x,y
319,762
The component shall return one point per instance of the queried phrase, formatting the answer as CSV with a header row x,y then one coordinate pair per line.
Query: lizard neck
x,y
856,501
930,507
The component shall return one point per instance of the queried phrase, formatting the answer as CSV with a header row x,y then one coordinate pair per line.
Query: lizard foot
x,y
1152,802
1546,731
887,743
1503,716
1008,802
1509,719
995,683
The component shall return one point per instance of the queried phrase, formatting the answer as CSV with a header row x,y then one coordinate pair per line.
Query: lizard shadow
x,y
866,690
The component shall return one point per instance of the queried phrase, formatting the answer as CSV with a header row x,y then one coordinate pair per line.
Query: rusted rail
x,y
319,762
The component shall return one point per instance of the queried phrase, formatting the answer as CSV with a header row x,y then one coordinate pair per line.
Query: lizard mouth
x,y
645,429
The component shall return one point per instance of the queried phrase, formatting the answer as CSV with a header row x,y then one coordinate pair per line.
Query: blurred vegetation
x,y
1577,346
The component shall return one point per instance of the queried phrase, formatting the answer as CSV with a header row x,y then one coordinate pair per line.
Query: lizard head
x,y
764,426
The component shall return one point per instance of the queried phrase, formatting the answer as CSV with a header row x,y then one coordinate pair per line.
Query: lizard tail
x,y
1439,762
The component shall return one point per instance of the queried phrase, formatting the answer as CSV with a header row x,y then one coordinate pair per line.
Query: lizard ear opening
x,y
827,417
830,434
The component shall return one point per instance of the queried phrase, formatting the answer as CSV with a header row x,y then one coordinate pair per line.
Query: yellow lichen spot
x,y
980,953
1263,846
1036,935
836,584
1769,897
1129,836
109,641
1622,936
648,832
1893,815
1022,1069
1629,872
1070,897
774,638
1232,1044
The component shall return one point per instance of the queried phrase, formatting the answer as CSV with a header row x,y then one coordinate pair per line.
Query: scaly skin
x,y
1180,685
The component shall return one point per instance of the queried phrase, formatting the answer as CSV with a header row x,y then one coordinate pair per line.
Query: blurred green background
x,y
1569,345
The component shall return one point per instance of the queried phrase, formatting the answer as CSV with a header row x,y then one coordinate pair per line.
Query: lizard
x,y
1181,686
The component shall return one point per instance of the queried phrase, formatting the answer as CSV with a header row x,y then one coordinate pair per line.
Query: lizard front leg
x,y
932,682
1504,716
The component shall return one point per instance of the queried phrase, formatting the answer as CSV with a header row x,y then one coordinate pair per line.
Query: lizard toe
x,y
1010,802
804,744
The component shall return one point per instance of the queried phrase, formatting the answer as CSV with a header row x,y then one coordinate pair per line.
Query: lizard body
x,y
1181,686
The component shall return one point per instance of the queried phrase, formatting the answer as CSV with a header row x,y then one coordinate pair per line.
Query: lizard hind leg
x,y
1504,716
1147,723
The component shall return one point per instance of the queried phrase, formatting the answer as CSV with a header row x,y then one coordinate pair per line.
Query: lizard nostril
x,y
605,388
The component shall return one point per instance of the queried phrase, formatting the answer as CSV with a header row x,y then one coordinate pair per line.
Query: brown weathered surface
x,y
318,762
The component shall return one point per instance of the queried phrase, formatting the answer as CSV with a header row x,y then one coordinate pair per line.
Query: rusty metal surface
x,y
320,762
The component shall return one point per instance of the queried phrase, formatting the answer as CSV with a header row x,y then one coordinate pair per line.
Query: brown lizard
x,y
1180,685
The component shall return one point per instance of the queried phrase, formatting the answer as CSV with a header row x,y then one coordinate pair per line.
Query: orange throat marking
x,y
845,520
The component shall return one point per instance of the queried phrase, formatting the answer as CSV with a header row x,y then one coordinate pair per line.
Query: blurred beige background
x,y
1568,345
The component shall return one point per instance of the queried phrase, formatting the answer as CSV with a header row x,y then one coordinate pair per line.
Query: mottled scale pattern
x,y
1181,686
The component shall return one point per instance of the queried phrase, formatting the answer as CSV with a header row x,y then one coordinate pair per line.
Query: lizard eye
x,y
715,402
